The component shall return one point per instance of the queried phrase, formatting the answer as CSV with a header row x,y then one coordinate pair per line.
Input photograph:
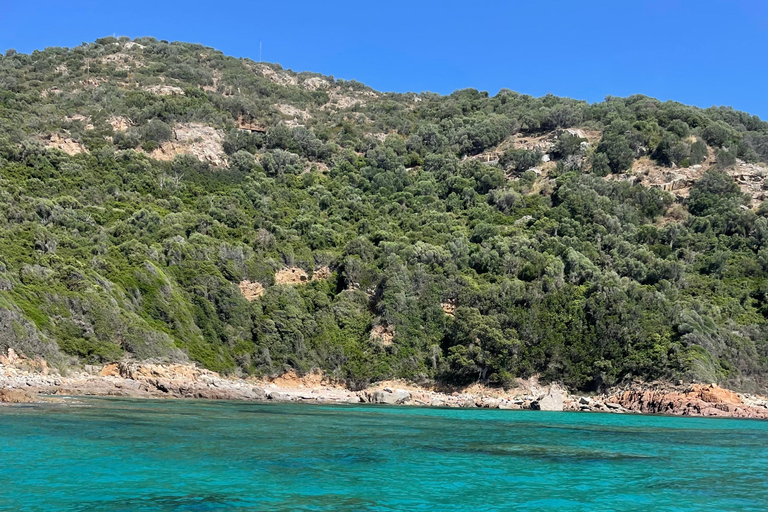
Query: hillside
x,y
162,201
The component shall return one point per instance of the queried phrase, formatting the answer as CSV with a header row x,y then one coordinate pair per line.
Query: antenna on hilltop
x,y
259,51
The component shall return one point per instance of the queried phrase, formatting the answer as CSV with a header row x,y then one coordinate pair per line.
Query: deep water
x,y
139,455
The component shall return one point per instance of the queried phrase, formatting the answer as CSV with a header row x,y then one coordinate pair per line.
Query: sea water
x,y
139,455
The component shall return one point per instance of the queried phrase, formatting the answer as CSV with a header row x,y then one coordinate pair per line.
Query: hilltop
x,y
164,202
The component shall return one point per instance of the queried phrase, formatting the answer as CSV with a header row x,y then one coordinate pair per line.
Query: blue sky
x,y
707,52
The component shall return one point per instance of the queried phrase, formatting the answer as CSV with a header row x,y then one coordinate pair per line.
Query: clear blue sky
x,y
707,52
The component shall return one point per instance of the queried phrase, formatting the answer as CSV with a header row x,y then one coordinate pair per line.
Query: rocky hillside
x,y
161,201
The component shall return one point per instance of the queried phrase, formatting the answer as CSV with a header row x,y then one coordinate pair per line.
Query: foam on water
x,y
194,456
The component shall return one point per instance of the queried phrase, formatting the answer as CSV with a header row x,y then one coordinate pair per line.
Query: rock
x,y
279,397
129,384
584,401
92,369
390,397
552,401
16,396
694,400
257,394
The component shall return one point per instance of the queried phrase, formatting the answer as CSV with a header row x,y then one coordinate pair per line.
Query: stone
x,y
552,401
92,369
279,397
16,396
390,397
257,394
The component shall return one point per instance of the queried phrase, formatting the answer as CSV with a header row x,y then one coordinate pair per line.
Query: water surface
x,y
140,455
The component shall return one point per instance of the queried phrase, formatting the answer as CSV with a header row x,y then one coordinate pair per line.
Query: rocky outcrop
x,y
201,141
66,144
251,290
165,90
291,275
384,334
15,396
695,400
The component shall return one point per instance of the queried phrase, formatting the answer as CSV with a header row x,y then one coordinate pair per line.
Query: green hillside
x,y
456,238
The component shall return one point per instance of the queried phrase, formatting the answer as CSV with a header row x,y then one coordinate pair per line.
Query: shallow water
x,y
139,455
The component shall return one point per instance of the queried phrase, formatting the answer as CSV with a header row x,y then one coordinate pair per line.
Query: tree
x,y
618,151
713,192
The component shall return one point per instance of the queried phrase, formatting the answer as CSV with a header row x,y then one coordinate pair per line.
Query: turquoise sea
x,y
139,455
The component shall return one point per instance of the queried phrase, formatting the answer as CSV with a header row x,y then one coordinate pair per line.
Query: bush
x,y
699,152
618,152
520,160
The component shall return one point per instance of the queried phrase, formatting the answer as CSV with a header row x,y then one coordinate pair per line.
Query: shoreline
x,y
23,381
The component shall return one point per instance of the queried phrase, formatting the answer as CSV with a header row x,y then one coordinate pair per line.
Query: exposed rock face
x,y
449,308
201,141
321,273
249,125
696,400
251,290
279,77
174,380
296,113
67,145
679,180
119,124
291,275
315,83
165,90
384,334
121,61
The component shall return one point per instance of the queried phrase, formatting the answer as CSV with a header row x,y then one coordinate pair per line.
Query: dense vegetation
x,y
552,269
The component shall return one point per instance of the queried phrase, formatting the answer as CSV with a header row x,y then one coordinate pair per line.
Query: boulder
x,y
390,397
257,394
279,397
552,401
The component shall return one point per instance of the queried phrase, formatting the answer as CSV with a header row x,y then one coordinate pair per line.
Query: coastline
x,y
24,381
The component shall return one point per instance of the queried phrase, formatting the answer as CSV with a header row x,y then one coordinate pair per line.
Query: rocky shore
x,y
26,381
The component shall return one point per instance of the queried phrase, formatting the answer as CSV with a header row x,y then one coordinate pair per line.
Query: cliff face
x,y
164,203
